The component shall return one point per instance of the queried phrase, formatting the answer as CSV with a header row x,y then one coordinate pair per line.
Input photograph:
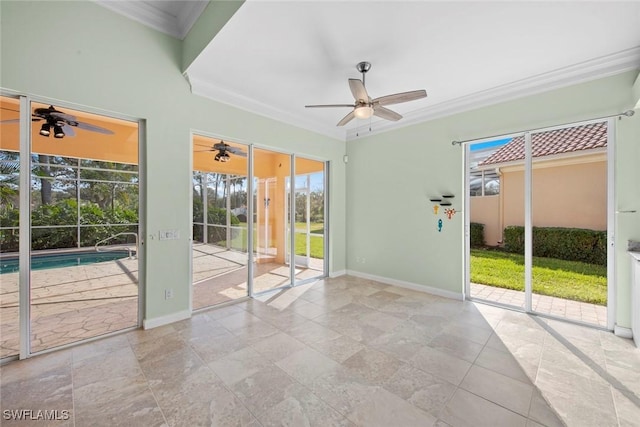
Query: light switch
x,y
169,234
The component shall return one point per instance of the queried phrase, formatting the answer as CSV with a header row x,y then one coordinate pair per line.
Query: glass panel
x,y
271,171
77,292
108,203
309,218
569,216
238,204
496,212
219,246
9,226
53,201
94,164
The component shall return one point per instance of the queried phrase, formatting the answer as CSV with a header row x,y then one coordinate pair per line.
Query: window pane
x,y
475,184
491,183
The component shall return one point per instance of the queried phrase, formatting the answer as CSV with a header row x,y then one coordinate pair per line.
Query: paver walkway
x,y
573,310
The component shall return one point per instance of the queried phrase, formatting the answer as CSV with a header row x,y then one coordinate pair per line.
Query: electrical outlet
x,y
168,293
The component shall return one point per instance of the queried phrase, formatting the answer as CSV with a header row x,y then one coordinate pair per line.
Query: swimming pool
x,y
42,262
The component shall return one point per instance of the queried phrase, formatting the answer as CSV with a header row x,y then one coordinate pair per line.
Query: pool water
x,y
43,262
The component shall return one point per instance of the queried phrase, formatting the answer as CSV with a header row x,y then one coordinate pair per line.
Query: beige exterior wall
x,y
564,195
486,210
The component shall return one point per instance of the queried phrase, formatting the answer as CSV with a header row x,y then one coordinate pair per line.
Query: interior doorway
x,y
539,221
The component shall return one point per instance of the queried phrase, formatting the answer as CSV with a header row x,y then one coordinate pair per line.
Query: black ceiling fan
x,y
223,151
61,123
365,107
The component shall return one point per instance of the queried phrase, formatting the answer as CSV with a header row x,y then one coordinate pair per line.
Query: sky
x,y
489,144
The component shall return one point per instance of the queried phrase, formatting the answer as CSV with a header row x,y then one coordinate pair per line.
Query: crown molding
x,y
225,96
601,67
145,12
188,16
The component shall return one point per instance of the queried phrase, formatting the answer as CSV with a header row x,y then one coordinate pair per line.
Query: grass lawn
x,y
571,280
316,244
239,242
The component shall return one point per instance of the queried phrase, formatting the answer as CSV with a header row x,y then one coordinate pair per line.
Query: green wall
x,y
81,53
391,176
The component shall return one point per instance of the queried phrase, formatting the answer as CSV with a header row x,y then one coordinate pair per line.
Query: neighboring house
x,y
569,182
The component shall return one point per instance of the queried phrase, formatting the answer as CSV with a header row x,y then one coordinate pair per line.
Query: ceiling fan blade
x,y
346,119
329,105
93,128
358,90
10,121
397,98
68,130
237,151
210,150
59,115
385,113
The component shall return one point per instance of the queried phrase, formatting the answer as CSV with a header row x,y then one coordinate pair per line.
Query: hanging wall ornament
x,y
435,209
449,213
439,226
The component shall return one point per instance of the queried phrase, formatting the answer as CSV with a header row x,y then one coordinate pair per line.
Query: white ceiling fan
x,y
365,107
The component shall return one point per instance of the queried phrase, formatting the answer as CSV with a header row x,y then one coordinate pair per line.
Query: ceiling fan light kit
x,y
364,107
363,112
45,130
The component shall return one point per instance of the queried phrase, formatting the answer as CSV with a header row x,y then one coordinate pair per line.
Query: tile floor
x,y
343,352
74,303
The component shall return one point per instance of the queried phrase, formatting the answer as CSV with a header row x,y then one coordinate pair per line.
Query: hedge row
x,y
477,234
571,244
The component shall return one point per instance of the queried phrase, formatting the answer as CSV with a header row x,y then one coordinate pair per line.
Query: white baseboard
x,y
338,273
165,320
622,332
408,285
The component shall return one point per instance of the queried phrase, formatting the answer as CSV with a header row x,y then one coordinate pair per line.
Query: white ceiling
x,y
274,57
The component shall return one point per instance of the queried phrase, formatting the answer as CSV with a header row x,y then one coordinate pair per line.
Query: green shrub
x,y
571,244
477,234
514,239
65,212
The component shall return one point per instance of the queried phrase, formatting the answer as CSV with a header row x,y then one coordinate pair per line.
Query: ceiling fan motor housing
x,y
363,66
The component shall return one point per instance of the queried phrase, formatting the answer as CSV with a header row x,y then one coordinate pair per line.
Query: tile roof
x,y
559,141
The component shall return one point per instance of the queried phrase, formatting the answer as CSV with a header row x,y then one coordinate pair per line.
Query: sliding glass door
x,y
278,197
542,243
9,226
569,219
220,221
271,172
70,248
496,213
309,212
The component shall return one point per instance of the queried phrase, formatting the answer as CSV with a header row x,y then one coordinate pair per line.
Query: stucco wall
x,y
566,196
486,210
